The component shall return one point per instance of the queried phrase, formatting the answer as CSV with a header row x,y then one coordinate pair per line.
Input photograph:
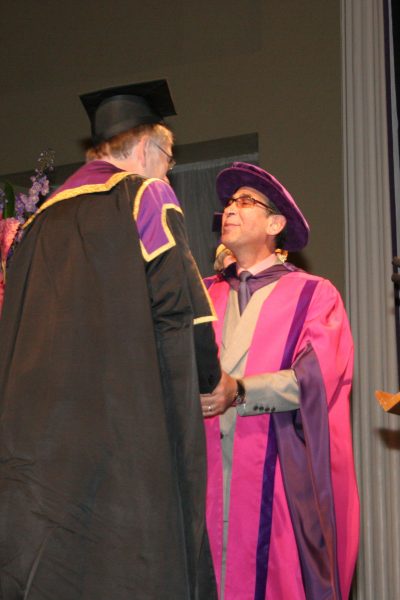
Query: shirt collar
x,y
261,265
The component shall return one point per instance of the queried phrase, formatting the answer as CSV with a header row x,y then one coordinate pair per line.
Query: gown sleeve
x,y
270,392
178,296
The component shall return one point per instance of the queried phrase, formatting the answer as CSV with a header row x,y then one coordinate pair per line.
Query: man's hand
x,y
220,398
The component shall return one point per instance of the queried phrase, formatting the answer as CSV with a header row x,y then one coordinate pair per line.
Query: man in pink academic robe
x,y
283,509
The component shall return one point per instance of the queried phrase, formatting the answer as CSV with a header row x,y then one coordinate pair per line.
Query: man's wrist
x,y
240,396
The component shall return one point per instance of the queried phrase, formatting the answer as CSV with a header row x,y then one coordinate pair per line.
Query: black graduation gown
x,y
102,455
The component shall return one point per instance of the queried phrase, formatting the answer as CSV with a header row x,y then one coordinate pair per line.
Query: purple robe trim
x,y
255,282
264,535
208,281
151,220
318,562
91,173
267,500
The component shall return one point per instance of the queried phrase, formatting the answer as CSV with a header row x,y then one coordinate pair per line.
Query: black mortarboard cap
x,y
117,109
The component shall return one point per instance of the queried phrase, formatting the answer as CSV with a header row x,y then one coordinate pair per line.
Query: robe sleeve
x,y
270,392
323,363
178,296
326,333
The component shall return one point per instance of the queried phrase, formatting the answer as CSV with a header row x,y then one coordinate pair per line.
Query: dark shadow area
x,y
300,261
57,177
390,437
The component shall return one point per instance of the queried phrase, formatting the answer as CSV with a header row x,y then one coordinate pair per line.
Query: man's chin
x,y
228,238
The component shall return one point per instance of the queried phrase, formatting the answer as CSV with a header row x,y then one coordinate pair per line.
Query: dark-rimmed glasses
x,y
245,201
171,160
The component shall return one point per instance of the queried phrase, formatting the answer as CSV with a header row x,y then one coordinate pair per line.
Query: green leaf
x,y
9,206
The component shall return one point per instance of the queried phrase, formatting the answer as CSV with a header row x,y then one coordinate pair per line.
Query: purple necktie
x,y
244,291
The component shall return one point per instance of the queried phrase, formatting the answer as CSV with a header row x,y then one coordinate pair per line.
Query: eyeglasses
x,y
245,202
171,160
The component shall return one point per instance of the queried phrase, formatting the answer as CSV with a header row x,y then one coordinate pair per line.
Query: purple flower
x,y
24,205
40,186
2,201
28,202
19,208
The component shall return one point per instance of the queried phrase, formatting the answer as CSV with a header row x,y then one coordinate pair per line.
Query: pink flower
x,y
1,291
8,229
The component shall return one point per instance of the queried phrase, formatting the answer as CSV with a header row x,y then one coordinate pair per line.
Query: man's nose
x,y
231,209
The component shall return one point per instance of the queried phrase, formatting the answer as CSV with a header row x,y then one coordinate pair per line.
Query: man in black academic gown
x,y
102,459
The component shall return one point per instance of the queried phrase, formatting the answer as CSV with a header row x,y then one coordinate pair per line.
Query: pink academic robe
x,y
302,542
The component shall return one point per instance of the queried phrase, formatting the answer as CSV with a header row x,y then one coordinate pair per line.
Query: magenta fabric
x,y
282,431
324,342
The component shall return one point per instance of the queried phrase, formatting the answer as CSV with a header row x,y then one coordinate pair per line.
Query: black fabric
x,y
102,468
184,291
118,109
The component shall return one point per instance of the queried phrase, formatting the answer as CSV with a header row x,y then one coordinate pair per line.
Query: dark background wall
x,y
271,67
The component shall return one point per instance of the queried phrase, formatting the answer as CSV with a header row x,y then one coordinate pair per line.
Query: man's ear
x,y
275,224
141,150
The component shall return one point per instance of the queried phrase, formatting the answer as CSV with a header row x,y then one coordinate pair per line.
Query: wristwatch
x,y
240,396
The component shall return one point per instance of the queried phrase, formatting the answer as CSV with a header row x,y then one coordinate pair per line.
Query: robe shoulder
x,y
153,201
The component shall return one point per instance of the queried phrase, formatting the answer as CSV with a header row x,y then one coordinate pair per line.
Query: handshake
x,y
221,398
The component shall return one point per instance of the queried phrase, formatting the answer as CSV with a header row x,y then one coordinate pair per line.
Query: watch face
x,y
240,397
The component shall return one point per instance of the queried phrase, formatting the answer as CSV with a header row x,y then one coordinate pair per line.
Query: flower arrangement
x,y
15,209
